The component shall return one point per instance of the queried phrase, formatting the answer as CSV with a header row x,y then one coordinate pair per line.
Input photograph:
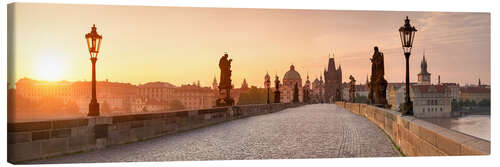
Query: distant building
x,y
195,97
431,101
291,78
424,77
345,91
474,93
143,104
154,96
360,90
333,82
455,90
117,95
396,85
317,91
160,91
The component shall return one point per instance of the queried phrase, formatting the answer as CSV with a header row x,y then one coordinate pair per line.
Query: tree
x,y
473,103
361,99
484,103
255,95
176,105
467,103
72,107
455,106
105,108
50,104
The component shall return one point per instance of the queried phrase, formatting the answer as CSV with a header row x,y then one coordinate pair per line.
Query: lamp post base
x,y
407,108
93,109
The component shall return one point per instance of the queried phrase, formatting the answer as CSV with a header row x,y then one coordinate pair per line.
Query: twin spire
x,y
332,55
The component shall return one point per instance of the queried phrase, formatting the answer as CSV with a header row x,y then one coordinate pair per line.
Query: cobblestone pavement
x,y
312,131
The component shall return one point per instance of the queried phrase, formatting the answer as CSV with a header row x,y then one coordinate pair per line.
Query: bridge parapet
x,y
43,139
417,137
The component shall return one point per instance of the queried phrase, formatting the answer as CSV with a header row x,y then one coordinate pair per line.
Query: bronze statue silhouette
x,y
277,91
352,89
225,85
225,74
378,85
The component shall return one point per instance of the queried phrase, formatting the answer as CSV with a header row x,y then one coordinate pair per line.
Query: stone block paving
x,y
311,131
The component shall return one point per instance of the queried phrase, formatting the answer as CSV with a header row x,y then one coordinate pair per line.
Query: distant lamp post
x,y
407,34
94,44
267,83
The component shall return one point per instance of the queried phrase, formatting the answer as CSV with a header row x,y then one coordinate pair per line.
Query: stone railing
x,y
36,140
417,137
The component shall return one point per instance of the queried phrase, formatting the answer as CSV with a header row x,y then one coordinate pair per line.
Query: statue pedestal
x,y
222,102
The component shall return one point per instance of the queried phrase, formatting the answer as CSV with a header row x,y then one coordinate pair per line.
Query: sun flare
x,y
50,67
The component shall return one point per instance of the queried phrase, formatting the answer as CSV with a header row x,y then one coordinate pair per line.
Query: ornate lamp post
x,y
407,34
94,44
267,83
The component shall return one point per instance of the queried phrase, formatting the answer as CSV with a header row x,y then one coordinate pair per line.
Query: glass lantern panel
x,y
98,44
89,43
93,44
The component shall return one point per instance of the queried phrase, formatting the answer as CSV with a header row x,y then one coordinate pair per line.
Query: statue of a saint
x,y
225,85
378,84
352,88
225,72
277,91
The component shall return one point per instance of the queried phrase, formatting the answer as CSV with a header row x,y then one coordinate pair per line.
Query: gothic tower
x,y
214,84
424,77
333,81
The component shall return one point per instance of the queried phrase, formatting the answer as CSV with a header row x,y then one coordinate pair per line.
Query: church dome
x,y
292,74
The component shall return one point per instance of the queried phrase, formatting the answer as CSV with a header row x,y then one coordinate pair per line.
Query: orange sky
x,y
182,45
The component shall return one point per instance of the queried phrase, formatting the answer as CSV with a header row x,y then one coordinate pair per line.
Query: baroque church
x,y
291,78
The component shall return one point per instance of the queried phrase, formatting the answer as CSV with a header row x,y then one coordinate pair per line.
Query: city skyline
x,y
137,50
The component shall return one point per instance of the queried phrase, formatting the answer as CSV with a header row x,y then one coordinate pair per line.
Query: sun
x,y
50,67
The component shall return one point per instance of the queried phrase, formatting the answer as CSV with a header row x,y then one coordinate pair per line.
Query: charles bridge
x,y
263,131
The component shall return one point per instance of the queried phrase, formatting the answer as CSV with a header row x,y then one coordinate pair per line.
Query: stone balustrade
x,y
44,139
417,137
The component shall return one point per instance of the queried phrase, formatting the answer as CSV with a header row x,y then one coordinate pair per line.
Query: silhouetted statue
x,y
295,94
225,85
305,94
338,95
352,89
378,84
277,91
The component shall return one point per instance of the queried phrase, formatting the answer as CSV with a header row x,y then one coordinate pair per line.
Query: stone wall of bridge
x,y
417,137
44,139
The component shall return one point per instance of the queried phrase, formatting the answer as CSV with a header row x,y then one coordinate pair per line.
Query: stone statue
x,y
225,72
378,84
352,89
225,85
277,91
305,94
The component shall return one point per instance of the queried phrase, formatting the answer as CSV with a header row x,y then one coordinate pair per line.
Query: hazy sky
x,y
181,45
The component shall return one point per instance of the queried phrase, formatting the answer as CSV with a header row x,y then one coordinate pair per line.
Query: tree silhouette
x,y
254,95
176,105
105,108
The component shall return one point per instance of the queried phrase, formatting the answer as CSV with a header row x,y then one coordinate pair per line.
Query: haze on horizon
x,y
181,45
